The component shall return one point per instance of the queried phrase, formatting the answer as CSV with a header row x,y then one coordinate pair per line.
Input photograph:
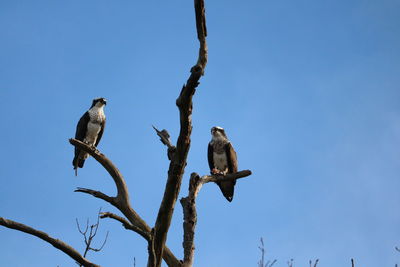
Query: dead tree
x,y
156,236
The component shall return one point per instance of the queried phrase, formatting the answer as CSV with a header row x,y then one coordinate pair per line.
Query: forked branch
x,y
61,245
88,237
178,161
121,201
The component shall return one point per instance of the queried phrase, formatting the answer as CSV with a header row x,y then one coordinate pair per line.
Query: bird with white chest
x,y
89,130
222,159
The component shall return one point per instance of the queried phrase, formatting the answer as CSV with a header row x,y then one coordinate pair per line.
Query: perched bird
x,y
90,129
222,160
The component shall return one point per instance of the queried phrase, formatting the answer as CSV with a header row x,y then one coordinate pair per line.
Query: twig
x,y
61,245
352,263
315,263
261,262
89,238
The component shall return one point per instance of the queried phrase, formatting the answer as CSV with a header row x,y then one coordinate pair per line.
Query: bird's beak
x,y
104,102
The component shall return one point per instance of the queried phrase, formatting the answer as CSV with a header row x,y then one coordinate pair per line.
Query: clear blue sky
x,y
308,92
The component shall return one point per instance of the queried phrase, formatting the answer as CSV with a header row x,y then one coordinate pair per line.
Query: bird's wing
x,y
231,157
81,128
210,156
80,133
103,125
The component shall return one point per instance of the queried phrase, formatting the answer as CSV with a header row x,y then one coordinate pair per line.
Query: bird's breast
x,y
220,161
93,130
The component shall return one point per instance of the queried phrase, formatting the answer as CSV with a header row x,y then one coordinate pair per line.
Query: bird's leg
x,y
215,171
95,149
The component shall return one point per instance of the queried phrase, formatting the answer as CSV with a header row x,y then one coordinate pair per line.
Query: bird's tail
x,y
77,162
227,189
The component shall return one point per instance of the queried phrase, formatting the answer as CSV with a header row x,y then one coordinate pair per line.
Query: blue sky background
x,y
308,92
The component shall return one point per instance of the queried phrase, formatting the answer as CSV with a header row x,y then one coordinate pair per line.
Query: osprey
x,y
222,160
90,129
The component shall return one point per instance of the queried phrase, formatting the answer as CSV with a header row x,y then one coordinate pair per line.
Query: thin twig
x,y
89,238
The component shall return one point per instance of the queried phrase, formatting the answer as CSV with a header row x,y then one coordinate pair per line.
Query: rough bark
x,y
178,161
121,201
189,209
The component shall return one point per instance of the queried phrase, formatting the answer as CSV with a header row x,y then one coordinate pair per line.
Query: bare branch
x,y
315,263
261,262
121,201
178,161
89,238
98,194
217,178
168,255
189,220
102,245
64,247
230,176
122,193
352,263
189,209
127,225
164,138
79,228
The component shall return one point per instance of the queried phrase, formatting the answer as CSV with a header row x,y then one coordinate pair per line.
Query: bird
x,y
222,159
89,130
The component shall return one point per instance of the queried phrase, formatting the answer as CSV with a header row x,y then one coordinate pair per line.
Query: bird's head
x,y
99,102
218,133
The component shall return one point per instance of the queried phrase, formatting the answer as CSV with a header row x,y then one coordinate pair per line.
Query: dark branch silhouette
x,y
121,200
315,263
262,260
178,161
177,154
189,209
61,245
88,237
164,138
